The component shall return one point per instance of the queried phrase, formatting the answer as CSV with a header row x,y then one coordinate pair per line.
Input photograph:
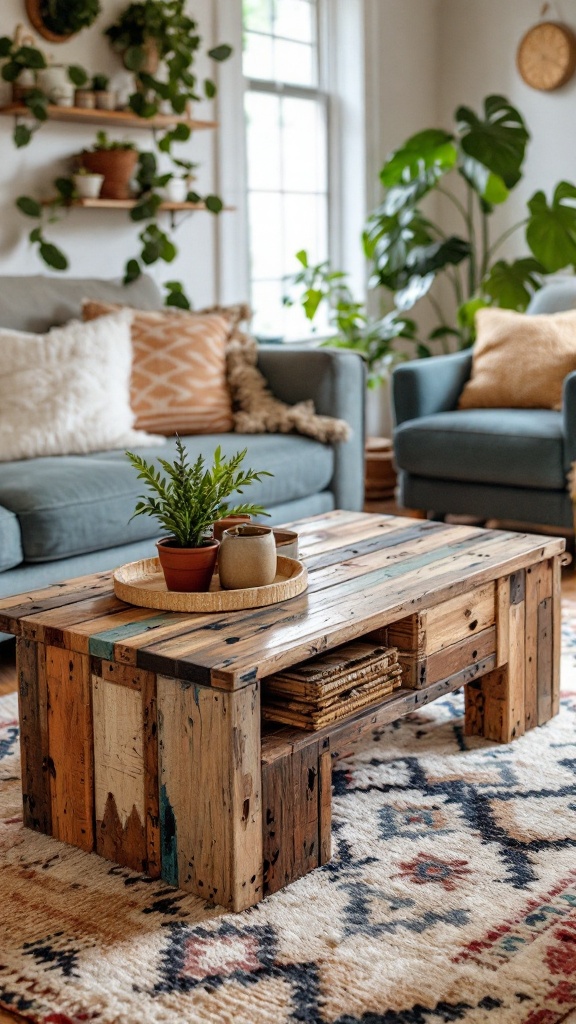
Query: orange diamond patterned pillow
x,y
178,382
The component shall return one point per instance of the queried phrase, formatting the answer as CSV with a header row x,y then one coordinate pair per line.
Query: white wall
x,y
477,56
99,242
402,44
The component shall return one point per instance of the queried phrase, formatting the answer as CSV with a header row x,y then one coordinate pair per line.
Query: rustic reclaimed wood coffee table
x,y
141,732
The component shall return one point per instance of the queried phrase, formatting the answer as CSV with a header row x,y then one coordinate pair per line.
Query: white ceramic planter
x,y
88,185
177,190
54,81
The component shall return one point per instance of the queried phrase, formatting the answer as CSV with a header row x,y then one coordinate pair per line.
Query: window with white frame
x,y
286,109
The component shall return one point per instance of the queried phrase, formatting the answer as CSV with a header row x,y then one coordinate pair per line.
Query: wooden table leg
x,y
210,791
297,805
522,691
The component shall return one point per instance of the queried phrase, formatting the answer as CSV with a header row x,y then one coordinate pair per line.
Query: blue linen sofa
x,y
66,516
507,464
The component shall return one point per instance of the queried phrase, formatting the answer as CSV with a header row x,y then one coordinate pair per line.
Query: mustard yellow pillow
x,y
520,361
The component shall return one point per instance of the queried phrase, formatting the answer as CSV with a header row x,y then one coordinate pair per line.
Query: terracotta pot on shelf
x,y
187,569
117,166
106,99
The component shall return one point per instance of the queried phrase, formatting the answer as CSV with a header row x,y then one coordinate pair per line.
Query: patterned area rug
x,y
451,896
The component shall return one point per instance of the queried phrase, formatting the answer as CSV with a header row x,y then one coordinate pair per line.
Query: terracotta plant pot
x,y
117,166
227,523
187,569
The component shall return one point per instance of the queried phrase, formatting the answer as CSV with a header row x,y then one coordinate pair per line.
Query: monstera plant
x,y
475,168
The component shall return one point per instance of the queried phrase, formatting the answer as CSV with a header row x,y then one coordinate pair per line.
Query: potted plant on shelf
x,y
159,31
187,501
87,185
105,97
116,161
57,20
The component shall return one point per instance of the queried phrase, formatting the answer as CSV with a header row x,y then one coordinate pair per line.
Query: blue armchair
x,y
491,463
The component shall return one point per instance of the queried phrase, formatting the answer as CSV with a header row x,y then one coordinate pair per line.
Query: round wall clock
x,y
546,56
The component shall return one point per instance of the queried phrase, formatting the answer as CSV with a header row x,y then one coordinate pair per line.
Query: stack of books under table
x,y
331,686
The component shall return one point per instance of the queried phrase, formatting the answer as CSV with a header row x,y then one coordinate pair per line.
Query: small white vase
x,y
88,185
176,190
247,557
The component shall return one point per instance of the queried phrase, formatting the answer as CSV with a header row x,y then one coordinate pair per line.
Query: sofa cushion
x,y
75,504
513,447
11,553
178,381
67,392
520,361
38,302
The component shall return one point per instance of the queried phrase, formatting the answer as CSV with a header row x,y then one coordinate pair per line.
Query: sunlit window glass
x,y
286,125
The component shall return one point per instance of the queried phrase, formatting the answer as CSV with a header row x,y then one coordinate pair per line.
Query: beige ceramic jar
x,y
247,557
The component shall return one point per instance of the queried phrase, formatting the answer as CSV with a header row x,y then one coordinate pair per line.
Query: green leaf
x,y
551,230
214,204
5,46
10,71
146,208
209,88
415,289
490,187
65,187
467,313
35,235
29,206
511,285
181,133
176,298
302,257
134,58
132,271
151,252
53,256
221,52
498,142
77,75
428,155
312,299
422,351
388,242
22,135
179,104
169,251
30,57
141,106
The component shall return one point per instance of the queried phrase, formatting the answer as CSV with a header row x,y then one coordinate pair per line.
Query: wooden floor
x,y
8,684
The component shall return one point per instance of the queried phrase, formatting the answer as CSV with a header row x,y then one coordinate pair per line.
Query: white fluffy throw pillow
x,y
67,392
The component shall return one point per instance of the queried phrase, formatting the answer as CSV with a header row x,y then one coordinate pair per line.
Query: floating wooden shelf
x,y
109,118
124,204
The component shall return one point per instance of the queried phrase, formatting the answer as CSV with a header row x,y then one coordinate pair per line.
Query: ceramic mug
x,y
247,557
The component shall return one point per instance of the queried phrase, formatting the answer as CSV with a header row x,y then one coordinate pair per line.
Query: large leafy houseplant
x,y
474,168
150,32
187,498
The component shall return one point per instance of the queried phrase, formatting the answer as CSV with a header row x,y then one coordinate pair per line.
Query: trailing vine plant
x,y
151,27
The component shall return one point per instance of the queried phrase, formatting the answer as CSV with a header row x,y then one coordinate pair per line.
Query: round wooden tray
x,y
142,583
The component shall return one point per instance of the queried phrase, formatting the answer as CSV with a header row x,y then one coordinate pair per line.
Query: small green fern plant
x,y
190,497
